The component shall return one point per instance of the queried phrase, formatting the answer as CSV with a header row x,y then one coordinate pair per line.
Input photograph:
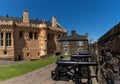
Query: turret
x,y
25,17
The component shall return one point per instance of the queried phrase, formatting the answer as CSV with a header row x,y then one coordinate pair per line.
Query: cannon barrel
x,y
80,56
68,62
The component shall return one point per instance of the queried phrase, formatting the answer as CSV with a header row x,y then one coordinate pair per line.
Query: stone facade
x,y
109,56
27,39
74,44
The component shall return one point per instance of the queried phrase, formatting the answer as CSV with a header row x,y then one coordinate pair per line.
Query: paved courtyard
x,y
39,76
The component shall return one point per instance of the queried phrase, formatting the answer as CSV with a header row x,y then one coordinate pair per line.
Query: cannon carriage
x,y
73,69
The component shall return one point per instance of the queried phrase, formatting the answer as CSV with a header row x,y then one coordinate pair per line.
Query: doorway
x,y
20,57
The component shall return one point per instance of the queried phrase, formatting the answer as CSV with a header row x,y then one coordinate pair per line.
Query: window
x,y
8,39
59,36
80,43
65,50
35,35
20,34
52,36
66,43
1,39
5,52
30,35
28,54
48,36
38,53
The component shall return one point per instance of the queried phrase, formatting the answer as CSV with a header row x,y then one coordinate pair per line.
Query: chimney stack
x,y
25,17
54,22
73,33
87,35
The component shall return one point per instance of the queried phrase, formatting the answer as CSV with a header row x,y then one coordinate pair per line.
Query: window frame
x,y
8,39
1,39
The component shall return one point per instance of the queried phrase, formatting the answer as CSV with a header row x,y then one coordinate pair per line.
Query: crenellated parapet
x,y
5,22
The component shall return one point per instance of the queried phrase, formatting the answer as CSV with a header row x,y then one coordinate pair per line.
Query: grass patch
x,y
11,71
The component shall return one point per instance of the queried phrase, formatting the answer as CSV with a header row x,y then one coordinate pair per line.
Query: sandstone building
x,y
26,39
74,43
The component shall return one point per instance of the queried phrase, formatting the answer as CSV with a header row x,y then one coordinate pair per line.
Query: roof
x,y
11,18
17,19
111,32
74,38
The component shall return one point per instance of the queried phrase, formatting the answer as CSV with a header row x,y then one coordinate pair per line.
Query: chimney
x,y
73,33
25,17
54,22
87,35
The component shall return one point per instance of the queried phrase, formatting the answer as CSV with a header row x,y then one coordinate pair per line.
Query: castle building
x,y
27,39
74,43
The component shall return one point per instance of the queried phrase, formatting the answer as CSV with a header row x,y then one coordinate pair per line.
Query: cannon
x,y
72,70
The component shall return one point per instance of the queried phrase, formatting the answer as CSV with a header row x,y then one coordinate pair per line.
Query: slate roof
x,y
74,38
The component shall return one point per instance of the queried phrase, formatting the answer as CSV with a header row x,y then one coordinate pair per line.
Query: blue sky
x,y
93,16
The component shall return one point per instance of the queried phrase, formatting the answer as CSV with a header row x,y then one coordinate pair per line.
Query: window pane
x,y
1,39
6,42
9,35
9,42
1,42
20,34
35,35
1,35
30,35
6,35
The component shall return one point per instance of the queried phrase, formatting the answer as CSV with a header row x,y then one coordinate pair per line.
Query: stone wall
x,y
109,56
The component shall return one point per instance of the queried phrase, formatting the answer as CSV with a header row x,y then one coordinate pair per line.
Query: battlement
x,y
4,22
